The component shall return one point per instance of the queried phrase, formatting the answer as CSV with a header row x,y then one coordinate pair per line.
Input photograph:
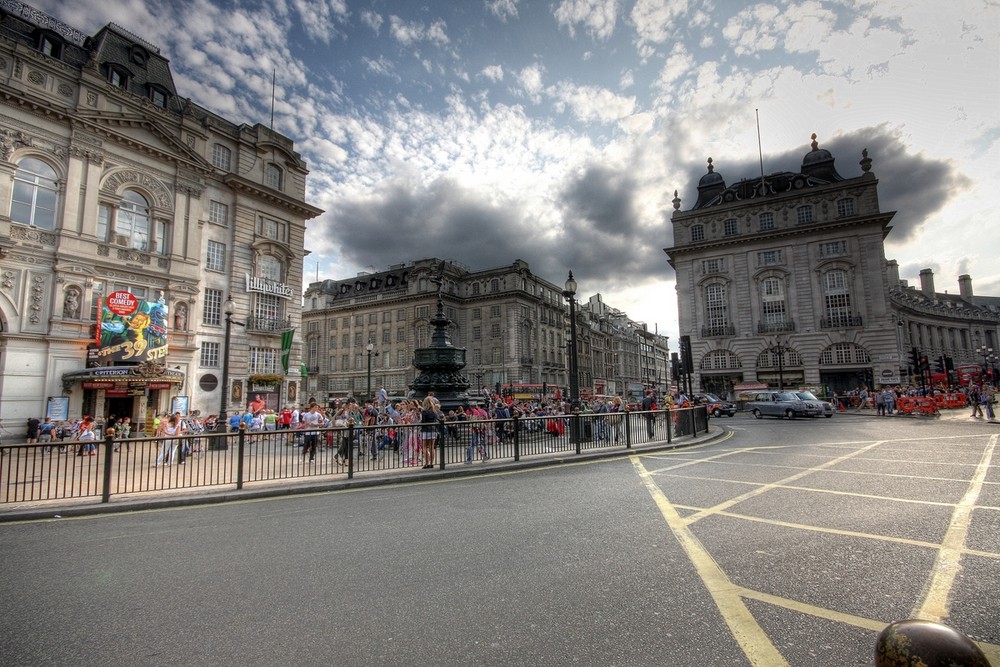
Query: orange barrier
x,y
927,405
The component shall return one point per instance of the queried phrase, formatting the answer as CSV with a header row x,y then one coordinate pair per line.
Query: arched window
x,y
131,225
272,176
772,297
35,194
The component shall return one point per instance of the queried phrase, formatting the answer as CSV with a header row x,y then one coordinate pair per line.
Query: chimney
x,y
965,286
927,283
893,270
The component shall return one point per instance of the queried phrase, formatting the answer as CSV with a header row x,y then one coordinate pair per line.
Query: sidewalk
x,y
74,507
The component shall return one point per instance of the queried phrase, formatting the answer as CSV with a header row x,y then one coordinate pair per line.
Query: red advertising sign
x,y
122,303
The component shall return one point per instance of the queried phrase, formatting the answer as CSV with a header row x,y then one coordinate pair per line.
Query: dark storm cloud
x,y
599,235
913,185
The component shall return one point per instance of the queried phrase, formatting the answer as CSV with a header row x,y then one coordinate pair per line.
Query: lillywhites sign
x,y
255,284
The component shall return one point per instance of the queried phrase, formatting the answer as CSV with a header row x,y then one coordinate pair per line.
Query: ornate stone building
x,y
512,323
782,280
112,184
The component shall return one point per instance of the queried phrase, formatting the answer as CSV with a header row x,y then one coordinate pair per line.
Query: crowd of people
x,y
886,400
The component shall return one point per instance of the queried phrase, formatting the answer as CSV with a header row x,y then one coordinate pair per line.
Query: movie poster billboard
x,y
131,329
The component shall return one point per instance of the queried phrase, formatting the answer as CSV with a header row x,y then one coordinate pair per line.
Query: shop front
x,y
138,391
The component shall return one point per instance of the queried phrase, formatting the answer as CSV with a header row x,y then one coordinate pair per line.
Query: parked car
x,y
716,406
810,397
782,404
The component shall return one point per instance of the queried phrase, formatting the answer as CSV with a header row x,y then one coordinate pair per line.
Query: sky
x,y
484,131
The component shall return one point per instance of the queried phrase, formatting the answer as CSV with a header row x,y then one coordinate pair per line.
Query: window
x,y
346,322
221,157
158,96
832,248
212,314
210,355
401,315
357,362
698,233
765,221
495,285
359,338
345,340
216,260
772,295
401,358
495,330
50,45
475,288
333,342
477,332
769,258
731,227
423,312
837,298
333,364
498,355
138,55
804,214
270,267
386,316
218,213
712,266
845,207
386,336
345,360
359,320
268,311
716,310
35,195
264,359
117,76
400,335
372,318
494,311
133,226
333,323
275,230
272,176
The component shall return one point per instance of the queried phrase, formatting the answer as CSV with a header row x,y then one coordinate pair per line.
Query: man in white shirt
x,y
312,421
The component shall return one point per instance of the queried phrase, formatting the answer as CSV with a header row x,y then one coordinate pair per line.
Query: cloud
x,y
492,72
598,17
502,9
408,33
372,19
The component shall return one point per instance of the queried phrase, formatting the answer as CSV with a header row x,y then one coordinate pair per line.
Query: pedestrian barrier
x,y
50,471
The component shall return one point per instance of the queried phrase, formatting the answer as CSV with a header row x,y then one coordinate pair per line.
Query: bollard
x,y
109,442
914,642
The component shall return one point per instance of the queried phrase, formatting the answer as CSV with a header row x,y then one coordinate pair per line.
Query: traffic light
x,y
915,359
939,365
925,364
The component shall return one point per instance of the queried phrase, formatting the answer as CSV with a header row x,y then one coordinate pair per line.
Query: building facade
x,y
129,216
512,323
782,280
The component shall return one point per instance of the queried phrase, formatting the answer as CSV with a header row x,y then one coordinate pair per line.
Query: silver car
x,y
781,404
809,397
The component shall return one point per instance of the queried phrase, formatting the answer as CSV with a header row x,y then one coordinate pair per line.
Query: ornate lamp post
x,y
222,425
779,349
369,348
574,378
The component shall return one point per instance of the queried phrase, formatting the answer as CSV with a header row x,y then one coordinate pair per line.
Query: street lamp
x,y
779,349
369,348
574,378
988,359
228,308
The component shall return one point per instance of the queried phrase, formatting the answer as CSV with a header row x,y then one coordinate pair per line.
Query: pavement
x,y
149,500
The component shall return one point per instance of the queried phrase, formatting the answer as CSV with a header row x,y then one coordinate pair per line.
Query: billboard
x,y
130,328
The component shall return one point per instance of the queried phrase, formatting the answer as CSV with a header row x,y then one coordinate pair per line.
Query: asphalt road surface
x,y
788,543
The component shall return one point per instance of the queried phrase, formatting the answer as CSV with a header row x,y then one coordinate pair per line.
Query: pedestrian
x,y
311,420
430,425
649,405
32,435
45,431
168,431
977,408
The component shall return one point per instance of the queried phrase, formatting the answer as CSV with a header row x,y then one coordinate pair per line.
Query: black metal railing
x,y
841,322
718,331
65,470
775,327
268,324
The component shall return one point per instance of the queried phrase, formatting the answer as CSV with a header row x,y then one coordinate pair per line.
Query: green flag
x,y
286,348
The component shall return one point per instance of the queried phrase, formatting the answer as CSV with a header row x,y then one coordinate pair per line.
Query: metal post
x,y
109,441
221,441
574,377
241,450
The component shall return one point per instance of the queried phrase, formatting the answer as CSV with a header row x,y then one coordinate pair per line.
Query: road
x,y
789,543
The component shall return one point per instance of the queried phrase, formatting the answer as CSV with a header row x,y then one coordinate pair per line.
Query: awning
x,y
143,376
